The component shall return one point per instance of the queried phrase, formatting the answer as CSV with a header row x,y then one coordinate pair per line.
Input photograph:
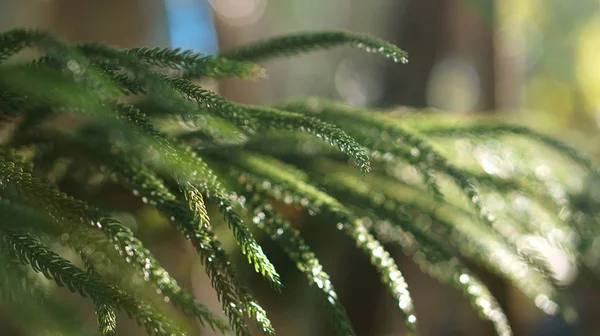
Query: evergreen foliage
x,y
449,192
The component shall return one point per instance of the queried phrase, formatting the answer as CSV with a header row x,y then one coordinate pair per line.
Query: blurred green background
x,y
535,62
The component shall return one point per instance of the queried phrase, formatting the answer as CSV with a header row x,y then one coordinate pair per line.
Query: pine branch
x,y
105,314
212,188
269,119
399,204
191,173
164,90
513,227
209,101
440,264
386,152
258,118
379,138
244,237
166,94
299,43
24,294
196,65
483,303
88,82
192,65
194,225
244,116
196,173
346,222
418,240
279,230
414,143
213,132
70,212
196,228
490,129
107,320
30,251
13,41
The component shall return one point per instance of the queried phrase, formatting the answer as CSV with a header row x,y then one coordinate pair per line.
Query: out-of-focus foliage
x,y
551,48
450,192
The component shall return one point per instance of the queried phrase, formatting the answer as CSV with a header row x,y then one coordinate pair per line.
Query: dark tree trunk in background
x,y
420,31
433,30
469,27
